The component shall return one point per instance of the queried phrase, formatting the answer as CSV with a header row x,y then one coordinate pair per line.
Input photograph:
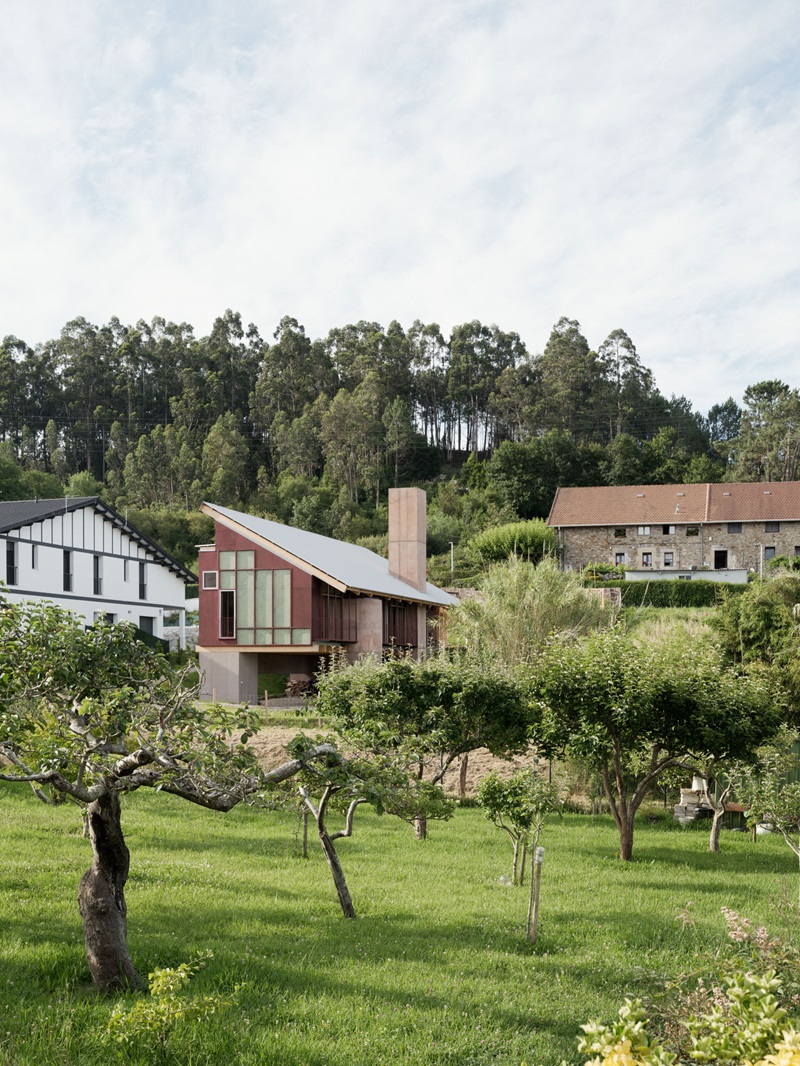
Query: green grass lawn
x,y
435,970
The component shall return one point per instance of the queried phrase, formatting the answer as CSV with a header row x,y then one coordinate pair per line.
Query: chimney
x,y
407,530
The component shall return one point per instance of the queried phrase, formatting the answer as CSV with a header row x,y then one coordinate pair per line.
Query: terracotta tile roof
x,y
757,501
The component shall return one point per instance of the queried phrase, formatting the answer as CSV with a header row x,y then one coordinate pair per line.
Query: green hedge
x,y
528,540
674,593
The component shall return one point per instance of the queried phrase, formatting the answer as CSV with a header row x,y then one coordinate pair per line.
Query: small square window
x,y
734,527
209,579
692,531
668,531
644,531
772,527
620,532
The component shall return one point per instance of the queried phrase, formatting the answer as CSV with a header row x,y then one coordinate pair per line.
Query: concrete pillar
x,y
182,629
229,676
370,628
407,532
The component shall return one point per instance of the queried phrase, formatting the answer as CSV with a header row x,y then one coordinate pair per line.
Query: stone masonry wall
x,y
583,545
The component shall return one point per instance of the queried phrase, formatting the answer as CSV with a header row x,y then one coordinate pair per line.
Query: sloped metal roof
x,y
607,505
350,565
17,513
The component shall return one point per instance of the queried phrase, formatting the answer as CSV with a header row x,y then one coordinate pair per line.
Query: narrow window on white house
x,y
34,556
125,570
67,571
142,581
97,575
11,562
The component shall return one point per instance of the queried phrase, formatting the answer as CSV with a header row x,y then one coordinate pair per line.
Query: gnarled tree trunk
x,y
101,898
348,910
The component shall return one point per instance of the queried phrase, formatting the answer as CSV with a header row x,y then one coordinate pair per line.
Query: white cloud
x,y
624,162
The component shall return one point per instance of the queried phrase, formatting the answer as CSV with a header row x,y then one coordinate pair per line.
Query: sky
x,y
630,164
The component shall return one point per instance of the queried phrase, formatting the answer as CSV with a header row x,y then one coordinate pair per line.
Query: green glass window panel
x,y
283,598
227,579
246,560
264,598
301,636
244,636
227,560
245,589
283,636
263,636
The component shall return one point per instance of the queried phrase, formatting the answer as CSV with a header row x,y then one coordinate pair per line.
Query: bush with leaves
x,y
531,541
519,806
519,607
152,1019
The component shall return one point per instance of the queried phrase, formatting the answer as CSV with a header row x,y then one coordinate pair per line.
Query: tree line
x,y
314,431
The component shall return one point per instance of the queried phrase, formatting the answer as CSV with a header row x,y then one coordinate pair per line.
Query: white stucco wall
x,y
39,550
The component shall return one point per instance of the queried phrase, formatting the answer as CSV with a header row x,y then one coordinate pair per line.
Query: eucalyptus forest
x,y
313,431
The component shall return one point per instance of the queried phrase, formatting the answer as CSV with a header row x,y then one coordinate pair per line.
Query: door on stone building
x,y
720,560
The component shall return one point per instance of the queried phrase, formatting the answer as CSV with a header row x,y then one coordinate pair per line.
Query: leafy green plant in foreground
x,y
152,1019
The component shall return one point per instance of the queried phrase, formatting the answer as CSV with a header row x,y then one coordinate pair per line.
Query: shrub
x,y
527,540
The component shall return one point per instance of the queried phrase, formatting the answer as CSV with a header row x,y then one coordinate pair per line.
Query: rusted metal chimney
x,y
407,532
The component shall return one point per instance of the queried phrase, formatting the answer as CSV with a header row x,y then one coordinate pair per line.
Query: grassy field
x,y
435,969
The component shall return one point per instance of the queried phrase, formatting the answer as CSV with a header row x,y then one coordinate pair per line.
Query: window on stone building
x,y
769,553
692,531
734,527
619,559
772,527
620,532
668,530
668,558
644,531
647,558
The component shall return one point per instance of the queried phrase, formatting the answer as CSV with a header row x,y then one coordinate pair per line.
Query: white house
x,y
80,554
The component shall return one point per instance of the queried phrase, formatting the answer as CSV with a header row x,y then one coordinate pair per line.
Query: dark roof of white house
x,y
620,505
357,568
17,513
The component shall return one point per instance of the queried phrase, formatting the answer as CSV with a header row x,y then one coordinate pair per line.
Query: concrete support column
x,y
182,629
229,676
370,628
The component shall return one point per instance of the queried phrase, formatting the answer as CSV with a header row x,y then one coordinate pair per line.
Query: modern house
x,y
274,599
713,531
80,554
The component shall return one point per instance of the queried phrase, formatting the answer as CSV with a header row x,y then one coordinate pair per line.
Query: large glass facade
x,y
260,602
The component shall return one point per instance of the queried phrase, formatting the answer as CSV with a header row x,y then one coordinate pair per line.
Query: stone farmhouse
x,y
723,530
274,599
81,555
